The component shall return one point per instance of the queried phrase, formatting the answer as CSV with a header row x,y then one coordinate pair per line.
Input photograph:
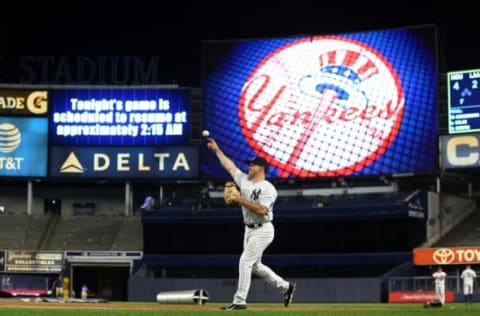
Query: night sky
x,y
174,30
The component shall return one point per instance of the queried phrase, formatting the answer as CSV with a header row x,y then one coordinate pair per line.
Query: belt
x,y
254,225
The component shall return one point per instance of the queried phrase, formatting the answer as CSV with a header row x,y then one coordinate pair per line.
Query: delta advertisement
x,y
124,162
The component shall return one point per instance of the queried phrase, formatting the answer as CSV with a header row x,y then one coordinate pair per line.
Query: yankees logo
x,y
341,108
255,194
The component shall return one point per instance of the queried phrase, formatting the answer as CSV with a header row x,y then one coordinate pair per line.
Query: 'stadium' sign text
x,y
116,70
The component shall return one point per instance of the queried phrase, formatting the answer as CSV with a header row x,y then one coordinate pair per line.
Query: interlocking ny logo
x,y
443,256
255,194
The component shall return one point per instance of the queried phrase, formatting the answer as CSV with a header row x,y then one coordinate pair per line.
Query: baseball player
x,y
256,200
84,292
439,276
468,276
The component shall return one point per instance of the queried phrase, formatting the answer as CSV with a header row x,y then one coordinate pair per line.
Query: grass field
x,y
213,309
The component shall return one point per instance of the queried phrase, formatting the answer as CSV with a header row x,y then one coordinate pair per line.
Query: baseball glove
x,y
230,192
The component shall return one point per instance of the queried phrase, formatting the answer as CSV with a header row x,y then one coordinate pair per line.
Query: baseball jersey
x,y
468,275
262,192
439,278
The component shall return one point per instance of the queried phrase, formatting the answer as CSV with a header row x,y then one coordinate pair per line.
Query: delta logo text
x,y
119,162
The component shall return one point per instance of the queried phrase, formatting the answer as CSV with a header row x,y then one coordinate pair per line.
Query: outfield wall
x,y
328,290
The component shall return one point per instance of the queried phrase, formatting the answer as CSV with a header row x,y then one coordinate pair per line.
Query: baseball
x,y
205,133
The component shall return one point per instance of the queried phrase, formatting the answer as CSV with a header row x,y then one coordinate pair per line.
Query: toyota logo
x,y
443,256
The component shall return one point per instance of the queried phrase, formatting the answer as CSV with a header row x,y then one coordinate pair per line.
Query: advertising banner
x,y
124,162
446,255
459,151
23,146
18,102
418,297
33,261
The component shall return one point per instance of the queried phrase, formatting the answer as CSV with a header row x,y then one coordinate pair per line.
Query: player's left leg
x,y
443,296
265,273
256,241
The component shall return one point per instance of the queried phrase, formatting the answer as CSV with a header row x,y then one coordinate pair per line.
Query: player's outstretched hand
x,y
212,144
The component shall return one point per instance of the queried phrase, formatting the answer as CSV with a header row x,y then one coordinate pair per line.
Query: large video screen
x,y
131,117
463,101
356,104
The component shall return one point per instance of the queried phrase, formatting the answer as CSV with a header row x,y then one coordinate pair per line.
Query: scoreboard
x,y
463,101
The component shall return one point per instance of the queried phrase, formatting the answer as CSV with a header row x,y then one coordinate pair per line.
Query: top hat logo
x,y
341,71
10,137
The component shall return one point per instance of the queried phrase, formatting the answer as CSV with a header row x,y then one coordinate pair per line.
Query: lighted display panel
x,y
463,101
23,102
356,104
23,146
132,117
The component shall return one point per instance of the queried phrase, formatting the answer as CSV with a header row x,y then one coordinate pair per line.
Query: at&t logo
x,y
10,139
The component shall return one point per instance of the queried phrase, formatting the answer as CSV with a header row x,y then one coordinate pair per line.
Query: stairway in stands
x,y
467,233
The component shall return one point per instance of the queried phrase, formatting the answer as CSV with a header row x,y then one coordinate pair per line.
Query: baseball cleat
x,y
234,306
288,296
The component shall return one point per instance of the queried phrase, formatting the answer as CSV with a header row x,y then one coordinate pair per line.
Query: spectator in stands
x,y
468,276
148,204
439,276
84,291
58,286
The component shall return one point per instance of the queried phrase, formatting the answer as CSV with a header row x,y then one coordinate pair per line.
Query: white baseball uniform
x,y
440,277
468,276
257,237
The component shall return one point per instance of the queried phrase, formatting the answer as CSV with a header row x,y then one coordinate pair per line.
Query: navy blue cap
x,y
259,161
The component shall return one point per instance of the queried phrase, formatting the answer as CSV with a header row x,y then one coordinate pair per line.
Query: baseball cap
x,y
259,161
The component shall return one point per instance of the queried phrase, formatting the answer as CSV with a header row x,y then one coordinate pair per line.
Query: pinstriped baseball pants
x,y
255,241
